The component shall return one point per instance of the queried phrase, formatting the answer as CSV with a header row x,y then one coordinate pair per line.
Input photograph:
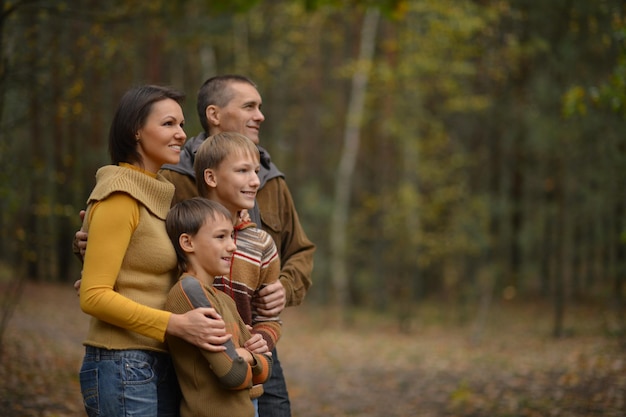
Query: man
x,y
231,103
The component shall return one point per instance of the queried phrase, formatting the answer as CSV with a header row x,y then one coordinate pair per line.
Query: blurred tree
x,y
418,212
584,102
343,182
476,177
551,181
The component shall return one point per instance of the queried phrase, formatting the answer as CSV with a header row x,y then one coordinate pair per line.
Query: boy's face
x,y
214,246
235,182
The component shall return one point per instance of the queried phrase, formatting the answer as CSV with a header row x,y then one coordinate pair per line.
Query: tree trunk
x,y
240,43
338,230
517,213
559,249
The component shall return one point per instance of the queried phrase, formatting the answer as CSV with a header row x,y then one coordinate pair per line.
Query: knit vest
x,y
148,269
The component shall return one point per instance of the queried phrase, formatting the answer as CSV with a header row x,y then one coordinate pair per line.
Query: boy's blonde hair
x,y
215,149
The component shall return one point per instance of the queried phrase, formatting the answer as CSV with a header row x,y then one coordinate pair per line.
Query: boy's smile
x,y
215,246
236,182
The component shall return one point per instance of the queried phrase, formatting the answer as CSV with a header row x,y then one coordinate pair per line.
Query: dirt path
x,y
370,370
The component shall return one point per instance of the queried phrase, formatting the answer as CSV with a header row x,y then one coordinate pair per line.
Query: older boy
x,y
226,167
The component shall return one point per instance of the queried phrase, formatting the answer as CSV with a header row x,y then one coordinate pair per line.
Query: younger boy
x,y
212,383
226,166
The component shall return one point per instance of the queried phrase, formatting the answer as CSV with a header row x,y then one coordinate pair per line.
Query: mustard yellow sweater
x,y
130,264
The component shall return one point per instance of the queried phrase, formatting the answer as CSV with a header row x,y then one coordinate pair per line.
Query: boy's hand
x,y
270,300
256,344
244,216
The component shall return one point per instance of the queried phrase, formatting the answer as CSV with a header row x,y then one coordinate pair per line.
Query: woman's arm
x,y
111,224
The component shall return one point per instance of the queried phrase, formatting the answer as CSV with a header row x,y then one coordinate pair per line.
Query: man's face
x,y
242,114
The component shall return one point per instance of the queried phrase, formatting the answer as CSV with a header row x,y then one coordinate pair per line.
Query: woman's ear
x,y
209,178
186,243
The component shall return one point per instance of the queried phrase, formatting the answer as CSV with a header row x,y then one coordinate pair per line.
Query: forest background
x,y
465,152
460,165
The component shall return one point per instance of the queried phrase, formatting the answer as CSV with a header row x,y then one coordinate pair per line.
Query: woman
x,y
130,265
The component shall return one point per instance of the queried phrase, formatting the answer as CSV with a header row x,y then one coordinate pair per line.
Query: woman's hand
x,y
202,327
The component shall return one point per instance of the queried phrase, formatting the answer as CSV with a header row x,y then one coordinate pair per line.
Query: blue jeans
x,y
255,403
128,383
275,400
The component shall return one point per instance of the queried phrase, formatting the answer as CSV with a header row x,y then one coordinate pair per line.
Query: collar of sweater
x,y
153,192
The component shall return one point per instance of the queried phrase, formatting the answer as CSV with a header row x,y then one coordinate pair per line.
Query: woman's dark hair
x,y
216,91
130,116
188,216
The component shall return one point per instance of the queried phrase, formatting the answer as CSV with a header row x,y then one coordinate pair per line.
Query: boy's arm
x,y
231,369
262,368
269,327
261,362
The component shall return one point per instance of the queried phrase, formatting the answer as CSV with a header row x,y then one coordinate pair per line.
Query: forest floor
x,y
373,369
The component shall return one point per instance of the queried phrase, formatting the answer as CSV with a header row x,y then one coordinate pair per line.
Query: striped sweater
x,y
255,265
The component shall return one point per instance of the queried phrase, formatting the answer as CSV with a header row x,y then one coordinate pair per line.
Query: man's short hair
x,y
215,91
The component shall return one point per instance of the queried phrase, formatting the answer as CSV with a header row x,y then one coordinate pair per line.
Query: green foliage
x,y
484,126
391,8
610,93
233,6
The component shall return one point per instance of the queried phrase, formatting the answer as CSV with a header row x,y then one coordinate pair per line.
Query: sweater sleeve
x,y
268,327
232,371
280,219
112,222
262,368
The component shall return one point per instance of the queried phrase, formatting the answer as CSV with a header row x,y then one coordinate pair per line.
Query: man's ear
x,y
186,243
212,114
209,178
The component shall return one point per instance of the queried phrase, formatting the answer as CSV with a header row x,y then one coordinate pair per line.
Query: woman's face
x,y
161,138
